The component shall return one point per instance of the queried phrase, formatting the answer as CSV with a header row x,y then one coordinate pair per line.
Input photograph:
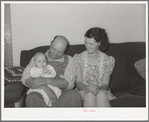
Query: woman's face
x,y
91,45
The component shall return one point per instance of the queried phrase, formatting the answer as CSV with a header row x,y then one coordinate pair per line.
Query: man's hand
x,y
48,71
29,81
37,82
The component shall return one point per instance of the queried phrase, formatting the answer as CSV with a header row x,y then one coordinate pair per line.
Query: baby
x,y
41,69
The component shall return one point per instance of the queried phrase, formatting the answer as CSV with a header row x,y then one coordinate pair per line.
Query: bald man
x,y
64,79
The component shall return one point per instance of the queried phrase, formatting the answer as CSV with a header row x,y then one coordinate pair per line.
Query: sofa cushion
x,y
123,93
13,74
118,77
134,51
138,90
129,101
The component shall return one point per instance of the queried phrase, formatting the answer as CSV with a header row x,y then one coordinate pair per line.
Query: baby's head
x,y
40,60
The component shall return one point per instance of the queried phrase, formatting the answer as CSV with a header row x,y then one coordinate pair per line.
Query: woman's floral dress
x,y
93,74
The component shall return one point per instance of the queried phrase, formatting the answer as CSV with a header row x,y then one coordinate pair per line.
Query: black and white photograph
x,y
74,60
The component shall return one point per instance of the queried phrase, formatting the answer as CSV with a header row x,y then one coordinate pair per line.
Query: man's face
x,y
56,51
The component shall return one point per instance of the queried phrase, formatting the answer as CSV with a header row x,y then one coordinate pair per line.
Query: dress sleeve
x,y
110,63
77,62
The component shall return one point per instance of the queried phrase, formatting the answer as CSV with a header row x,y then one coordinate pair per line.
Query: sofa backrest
x,y
118,78
134,51
122,52
26,55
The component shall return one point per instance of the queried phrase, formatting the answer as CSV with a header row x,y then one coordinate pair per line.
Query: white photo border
x,y
71,113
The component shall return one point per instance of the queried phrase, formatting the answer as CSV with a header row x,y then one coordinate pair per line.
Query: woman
x,y
94,69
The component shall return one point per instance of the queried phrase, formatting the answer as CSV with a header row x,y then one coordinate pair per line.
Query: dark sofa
x,y
126,84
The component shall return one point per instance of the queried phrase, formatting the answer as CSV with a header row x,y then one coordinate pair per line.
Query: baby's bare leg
x,y
52,96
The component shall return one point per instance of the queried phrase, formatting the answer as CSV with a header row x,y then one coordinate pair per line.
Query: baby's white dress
x,y
36,72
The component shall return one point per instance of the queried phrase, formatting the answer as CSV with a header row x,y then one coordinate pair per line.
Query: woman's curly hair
x,y
100,35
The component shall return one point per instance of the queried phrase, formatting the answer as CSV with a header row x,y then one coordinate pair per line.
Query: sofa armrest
x,y
13,92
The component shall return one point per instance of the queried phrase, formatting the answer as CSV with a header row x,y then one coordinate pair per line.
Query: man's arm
x,y
58,82
29,82
106,81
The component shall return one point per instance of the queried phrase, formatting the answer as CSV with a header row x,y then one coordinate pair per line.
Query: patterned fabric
x,y
93,74
13,74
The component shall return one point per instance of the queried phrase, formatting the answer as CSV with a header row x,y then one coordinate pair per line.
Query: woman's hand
x,y
37,82
94,88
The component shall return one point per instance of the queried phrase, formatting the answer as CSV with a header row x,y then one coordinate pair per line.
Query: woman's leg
x,y
102,99
90,100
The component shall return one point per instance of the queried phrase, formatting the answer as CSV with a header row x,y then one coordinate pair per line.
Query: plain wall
x,y
36,24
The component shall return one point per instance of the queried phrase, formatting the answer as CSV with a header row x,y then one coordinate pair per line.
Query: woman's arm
x,y
79,81
108,71
106,81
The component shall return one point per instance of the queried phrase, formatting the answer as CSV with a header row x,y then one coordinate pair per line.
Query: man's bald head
x,y
58,47
60,42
